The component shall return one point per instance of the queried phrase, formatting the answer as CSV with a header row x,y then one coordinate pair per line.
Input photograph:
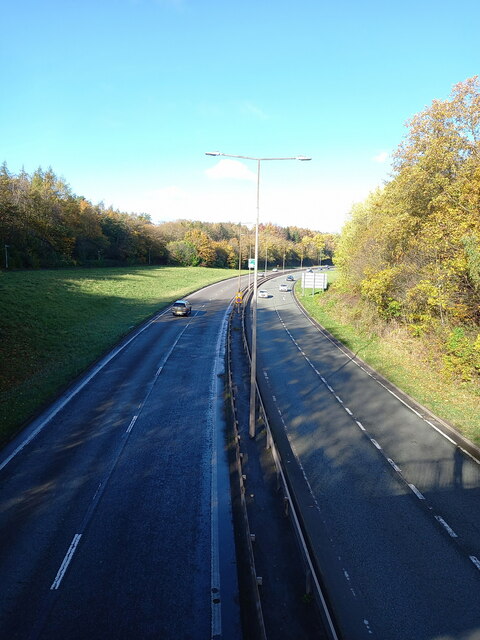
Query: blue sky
x,y
123,98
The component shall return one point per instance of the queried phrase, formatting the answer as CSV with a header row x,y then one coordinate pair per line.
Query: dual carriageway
x,y
116,519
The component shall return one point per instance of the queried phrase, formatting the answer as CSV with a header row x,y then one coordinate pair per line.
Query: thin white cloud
x,y
231,169
381,158
251,109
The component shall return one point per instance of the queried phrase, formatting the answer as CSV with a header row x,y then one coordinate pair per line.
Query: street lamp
x,y
239,262
240,236
253,369
249,257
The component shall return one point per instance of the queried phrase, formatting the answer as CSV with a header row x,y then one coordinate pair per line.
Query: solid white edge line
x,y
442,433
215,581
26,441
469,455
406,404
77,389
82,384
66,561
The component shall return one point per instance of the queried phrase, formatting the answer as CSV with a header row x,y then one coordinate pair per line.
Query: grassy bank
x,y
400,358
53,324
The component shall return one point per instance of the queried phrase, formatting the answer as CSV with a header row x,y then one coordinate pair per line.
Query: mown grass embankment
x,y
54,324
400,358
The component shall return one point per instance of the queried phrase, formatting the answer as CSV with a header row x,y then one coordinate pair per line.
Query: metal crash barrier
x,y
312,582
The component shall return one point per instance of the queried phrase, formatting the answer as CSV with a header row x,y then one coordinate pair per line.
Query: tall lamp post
x,y
240,236
253,369
249,256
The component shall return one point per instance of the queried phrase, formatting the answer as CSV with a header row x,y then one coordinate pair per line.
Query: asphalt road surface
x,y
391,506
115,517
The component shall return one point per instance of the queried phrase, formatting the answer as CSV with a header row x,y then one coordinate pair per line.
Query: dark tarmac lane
x,y
392,507
115,517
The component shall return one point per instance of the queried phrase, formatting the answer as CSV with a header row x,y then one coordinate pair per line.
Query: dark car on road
x,y
181,308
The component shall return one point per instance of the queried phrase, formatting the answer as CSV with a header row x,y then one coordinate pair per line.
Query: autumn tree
x,y
411,249
44,224
203,245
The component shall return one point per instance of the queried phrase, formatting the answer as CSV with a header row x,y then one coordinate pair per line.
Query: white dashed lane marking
x,y
394,466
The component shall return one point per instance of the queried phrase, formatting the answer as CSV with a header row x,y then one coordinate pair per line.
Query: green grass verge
x,y
54,324
397,357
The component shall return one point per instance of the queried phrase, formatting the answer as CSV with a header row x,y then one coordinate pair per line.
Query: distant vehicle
x,y
274,270
290,278
283,287
181,308
309,270
260,274
262,293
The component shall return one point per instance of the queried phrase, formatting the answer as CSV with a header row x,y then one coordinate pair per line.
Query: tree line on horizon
x,y
44,225
411,250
